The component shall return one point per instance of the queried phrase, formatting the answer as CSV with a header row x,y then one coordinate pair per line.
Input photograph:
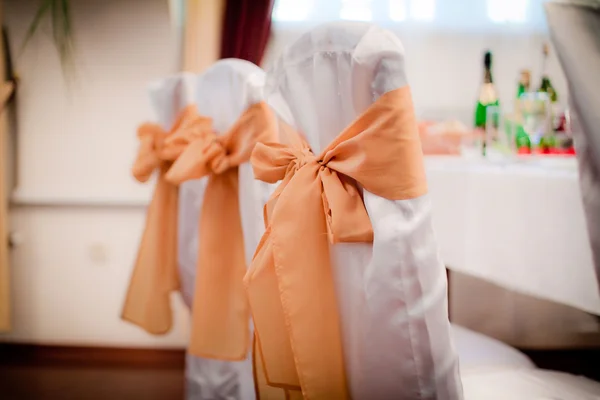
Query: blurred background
x,y
75,214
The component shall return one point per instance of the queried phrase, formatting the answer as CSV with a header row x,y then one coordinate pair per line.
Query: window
x,y
292,10
356,10
422,10
418,10
447,14
503,11
397,10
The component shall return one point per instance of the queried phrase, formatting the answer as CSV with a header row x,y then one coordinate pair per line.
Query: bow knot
x,y
303,156
218,156
184,132
202,156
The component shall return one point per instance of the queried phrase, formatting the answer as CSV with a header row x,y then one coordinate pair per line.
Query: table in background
x,y
517,224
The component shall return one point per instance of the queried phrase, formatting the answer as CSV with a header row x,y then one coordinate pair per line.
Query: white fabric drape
x,y
574,26
222,93
169,96
391,294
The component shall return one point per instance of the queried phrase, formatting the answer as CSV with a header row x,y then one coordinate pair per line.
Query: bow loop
x,y
345,213
151,137
271,162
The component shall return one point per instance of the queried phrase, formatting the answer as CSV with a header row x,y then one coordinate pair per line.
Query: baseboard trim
x,y
78,356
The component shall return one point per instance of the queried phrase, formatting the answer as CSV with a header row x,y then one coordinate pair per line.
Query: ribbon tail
x,y
261,386
292,297
271,333
306,287
155,276
220,320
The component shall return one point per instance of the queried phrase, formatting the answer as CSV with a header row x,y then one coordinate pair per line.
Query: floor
x,y
30,372
64,373
88,383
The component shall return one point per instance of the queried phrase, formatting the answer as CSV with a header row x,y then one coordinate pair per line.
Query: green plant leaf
x,y
37,19
62,32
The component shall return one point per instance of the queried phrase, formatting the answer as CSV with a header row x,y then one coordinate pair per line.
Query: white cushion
x,y
527,384
476,350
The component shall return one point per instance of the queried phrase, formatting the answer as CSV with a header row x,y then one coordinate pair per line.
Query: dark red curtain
x,y
246,29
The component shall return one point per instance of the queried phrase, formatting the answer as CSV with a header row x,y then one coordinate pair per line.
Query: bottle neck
x,y
545,82
487,94
487,76
544,66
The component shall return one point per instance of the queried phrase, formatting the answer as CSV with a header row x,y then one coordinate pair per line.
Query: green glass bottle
x,y
487,96
524,82
546,84
548,140
522,140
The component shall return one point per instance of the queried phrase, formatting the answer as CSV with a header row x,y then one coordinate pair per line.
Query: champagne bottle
x,y
522,140
487,98
487,93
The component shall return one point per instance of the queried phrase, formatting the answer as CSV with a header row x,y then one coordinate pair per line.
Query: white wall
x,y
90,121
79,212
70,275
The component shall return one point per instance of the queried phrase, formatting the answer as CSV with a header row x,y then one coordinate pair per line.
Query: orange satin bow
x,y
290,285
220,316
155,274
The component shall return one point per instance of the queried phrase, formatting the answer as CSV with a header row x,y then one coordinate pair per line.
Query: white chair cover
x,y
574,26
222,93
391,294
169,96
528,384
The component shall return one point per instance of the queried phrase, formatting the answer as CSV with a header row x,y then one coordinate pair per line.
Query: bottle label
x,y
487,95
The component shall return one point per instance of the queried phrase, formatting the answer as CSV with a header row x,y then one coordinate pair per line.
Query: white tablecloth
x,y
517,224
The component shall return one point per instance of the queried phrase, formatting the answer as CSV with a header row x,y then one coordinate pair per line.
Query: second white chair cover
x,y
392,293
169,96
223,93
